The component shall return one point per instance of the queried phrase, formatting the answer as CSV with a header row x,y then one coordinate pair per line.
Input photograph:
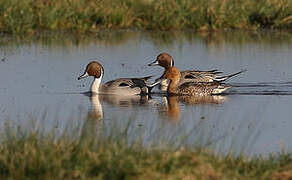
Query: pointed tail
x,y
223,78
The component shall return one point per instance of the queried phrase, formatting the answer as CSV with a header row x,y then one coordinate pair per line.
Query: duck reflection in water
x,y
95,113
93,123
125,101
94,118
172,104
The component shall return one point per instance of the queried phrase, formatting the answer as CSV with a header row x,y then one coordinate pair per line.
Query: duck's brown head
x,y
164,60
92,69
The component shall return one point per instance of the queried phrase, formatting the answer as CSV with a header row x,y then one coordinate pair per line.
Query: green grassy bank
x,y
32,154
22,16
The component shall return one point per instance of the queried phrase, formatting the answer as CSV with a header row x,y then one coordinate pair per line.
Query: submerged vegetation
x,y
29,16
33,154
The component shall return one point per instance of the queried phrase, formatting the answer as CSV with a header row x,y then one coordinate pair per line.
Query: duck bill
x,y
85,75
155,63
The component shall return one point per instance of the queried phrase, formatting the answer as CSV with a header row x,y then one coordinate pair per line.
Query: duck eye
x,y
123,84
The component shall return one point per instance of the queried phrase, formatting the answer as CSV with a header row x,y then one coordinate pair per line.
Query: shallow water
x,y
39,83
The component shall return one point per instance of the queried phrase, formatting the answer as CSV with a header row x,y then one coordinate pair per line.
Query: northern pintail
x,y
121,86
166,61
173,76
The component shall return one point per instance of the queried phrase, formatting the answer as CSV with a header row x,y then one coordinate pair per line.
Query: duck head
x,y
163,60
92,69
96,70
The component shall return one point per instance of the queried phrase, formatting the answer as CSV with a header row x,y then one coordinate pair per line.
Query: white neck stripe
x,y
96,84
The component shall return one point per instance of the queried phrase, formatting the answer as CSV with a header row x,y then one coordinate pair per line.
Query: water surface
x,y
38,78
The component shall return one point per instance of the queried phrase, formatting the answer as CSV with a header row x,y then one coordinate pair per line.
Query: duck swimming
x,y
173,75
166,61
121,86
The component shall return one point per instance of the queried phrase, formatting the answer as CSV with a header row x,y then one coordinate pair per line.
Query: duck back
x,y
201,88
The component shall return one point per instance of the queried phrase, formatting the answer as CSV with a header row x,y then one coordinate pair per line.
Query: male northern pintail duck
x,y
122,86
166,61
